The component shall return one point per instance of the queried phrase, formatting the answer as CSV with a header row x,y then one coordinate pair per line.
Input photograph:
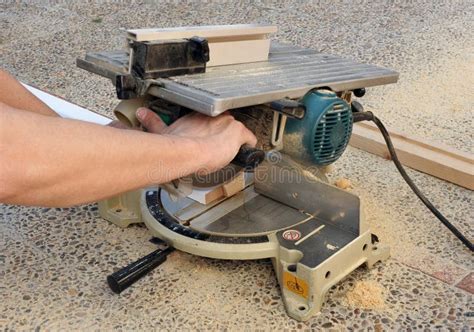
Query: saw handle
x,y
125,277
248,157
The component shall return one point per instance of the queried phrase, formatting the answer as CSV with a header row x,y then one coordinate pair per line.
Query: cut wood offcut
x,y
428,157
228,44
230,188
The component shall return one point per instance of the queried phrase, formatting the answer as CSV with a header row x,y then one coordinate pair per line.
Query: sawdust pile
x,y
366,295
328,169
343,183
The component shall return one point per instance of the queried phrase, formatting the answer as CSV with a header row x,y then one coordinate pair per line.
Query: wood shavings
x,y
366,295
343,183
328,169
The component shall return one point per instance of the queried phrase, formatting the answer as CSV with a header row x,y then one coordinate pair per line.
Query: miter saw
x,y
282,207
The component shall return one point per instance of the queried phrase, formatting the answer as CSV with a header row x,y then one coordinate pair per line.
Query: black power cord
x,y
369,116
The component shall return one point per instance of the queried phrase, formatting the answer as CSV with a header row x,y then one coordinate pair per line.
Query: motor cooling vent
x,y
323,134
332,133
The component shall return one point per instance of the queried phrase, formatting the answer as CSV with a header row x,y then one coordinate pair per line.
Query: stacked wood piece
x,y
228,44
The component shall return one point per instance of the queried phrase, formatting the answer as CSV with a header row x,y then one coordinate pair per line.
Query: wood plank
x,y
207,195
230,188
232,52
209,31
235,185
428,157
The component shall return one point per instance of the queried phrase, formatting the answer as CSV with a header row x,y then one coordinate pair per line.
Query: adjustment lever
x,y
289,107
126,276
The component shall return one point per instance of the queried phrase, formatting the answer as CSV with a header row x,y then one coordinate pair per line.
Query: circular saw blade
x,y
216,178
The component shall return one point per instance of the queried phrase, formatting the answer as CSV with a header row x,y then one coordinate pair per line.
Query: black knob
x,y
248,157
356,106
359,92
200,49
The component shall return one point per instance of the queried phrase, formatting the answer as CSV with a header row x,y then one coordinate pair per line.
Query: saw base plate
x,y
308,256
245,214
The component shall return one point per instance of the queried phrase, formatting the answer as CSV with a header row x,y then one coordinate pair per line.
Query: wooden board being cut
x,y
428,157
228,44
230,188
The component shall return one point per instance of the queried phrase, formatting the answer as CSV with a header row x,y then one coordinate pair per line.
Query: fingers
x,y
246,136
150,120
117,124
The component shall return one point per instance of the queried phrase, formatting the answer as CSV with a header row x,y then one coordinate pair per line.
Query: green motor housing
x,y
323,134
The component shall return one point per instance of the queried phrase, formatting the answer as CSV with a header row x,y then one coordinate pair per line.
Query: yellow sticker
x,y
295,284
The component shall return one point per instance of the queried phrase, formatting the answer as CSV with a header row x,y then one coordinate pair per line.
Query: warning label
x,y
295,284
291,235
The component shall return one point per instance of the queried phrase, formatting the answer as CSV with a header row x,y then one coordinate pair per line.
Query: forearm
x,y
16,95
49,161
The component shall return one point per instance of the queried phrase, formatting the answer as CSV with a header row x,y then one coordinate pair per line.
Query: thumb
x,y
150,120
249,138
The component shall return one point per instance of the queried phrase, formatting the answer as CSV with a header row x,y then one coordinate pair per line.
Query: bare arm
x,y
16,95
50,161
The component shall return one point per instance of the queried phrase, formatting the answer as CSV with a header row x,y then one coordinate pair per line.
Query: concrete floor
x,y
53,262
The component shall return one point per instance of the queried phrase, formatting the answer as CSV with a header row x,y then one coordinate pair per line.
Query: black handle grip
x,y
248,157
125,277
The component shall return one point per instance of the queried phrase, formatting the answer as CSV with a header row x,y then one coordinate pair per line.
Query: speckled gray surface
x,y
53,262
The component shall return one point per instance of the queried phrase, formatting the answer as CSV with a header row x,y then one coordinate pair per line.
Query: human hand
x,y
117,124
219,137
